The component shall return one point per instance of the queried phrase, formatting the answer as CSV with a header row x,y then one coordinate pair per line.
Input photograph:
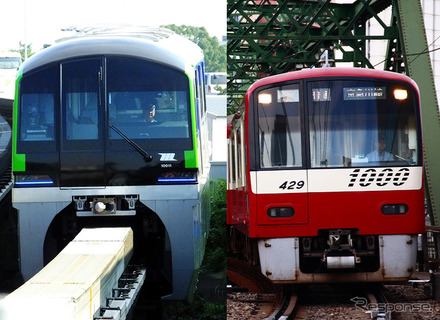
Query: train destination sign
x,y
321,94
288,95
365,93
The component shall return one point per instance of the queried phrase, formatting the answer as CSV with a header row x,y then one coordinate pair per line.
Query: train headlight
x,y
280,212
400,94
177,177
393,209
33,180
264,98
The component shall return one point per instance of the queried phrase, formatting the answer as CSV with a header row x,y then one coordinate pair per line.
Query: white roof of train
x,y
155,44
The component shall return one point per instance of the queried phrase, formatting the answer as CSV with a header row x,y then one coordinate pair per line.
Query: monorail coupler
x,y
112,205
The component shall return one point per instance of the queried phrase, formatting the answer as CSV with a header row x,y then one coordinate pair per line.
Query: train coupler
x,y
116,205
340,253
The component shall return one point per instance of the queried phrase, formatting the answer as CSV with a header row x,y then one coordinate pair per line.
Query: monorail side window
x,y
147,100
38,92
279,127
362,123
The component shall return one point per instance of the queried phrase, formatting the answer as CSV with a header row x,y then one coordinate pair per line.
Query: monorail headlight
x,y
400,94
174,177
264,98
33,180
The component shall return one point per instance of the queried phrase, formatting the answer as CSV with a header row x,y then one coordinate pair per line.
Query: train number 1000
x,y
379,177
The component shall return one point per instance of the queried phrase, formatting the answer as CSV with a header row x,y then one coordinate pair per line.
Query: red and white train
x,y
325,177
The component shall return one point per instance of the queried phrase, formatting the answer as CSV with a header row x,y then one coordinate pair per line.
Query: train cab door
x,y
281,181
82,156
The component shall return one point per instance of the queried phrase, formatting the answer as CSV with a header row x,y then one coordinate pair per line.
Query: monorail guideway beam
x,y
268,37
86,280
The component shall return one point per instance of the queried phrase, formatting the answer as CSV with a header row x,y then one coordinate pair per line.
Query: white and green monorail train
x,y
109,130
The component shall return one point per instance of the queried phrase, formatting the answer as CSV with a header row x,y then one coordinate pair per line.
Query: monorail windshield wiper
x,y
145,154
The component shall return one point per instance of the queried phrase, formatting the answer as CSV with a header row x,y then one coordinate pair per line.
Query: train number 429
x,y
291,185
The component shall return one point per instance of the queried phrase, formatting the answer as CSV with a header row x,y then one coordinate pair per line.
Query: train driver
x,y
380,154
150,113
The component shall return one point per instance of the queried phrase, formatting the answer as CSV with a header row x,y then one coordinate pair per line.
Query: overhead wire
x,y
425,51
416,54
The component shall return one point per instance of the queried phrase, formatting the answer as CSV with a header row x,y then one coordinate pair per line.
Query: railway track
x,y
287,305
244,275
286,302
303,303
261,297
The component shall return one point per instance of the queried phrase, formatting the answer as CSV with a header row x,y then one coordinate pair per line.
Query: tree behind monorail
x,y
215,53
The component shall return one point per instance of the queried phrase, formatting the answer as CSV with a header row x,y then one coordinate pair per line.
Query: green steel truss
x,y
418,66
267,37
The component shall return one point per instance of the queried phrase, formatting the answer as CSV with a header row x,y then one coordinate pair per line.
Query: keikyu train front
x,y
109,131
326,176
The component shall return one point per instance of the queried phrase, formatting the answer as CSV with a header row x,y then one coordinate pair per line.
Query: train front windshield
x,y
139,94
341,123
89,115
148,107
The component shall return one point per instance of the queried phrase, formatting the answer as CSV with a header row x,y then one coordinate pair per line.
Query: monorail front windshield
x,y
340,123
152,107
136,99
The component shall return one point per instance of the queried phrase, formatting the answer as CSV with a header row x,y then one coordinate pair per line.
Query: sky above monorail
x,y
40,22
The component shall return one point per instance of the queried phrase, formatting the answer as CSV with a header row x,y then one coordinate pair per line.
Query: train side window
x,y
38,93
279,127
233,165
199,94
243,151
201,87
